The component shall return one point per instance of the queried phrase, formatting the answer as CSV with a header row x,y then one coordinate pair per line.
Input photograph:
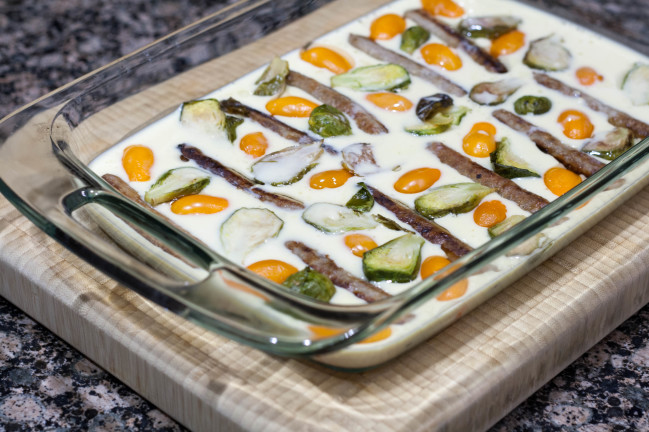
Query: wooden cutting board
x,y
465,378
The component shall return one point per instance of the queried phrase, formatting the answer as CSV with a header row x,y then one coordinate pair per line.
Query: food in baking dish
x,y
376,155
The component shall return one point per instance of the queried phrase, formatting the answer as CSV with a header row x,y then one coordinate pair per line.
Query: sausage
x,y
375,50
456,40
574,160
365,121
505,187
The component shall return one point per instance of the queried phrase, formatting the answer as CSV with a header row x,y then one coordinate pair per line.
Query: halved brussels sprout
x,y
288,165
636,84
273,80
532,104
397,260
311,283
231,125
548,54
503,226
362,201
525,248
176,183
428,106
494,93
328,121
442,121
454,198
490,27
248,228
609,145
389,223
359,159
373,78
413,38
507,164
334,219
205,115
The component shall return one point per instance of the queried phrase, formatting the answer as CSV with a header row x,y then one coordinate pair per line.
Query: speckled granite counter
x,y
46,384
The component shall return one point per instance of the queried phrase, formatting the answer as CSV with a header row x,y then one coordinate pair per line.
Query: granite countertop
x,y
48,385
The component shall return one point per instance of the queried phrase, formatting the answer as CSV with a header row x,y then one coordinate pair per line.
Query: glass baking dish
x,y
46,145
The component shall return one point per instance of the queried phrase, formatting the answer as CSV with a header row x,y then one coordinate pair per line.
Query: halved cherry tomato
x,y
275,270
442,56
254,144
588,76
389,101
327,58
434,264
447,8
478,144
485,127
489,213
508,43
198,204
329,179
387,26
137,161
417,180
560,180
359,243
576,124
291,106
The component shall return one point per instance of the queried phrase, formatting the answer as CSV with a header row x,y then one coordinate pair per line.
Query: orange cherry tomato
x,y
329,179
560,180
387,26
378,336
389,101
434,264
359,243
417,180
478,144
588,76
291,106
442,56
508,43
576,124
254,144
447,8
321,332
137,161
485,127
489,213
198,204
326,58
275,270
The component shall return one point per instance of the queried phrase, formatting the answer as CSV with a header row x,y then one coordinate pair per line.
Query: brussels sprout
x,y
636,84
362,201
548,54
311,283
273,80
413,38
609,145
204,114
328,121
453,198
442,121
397,260
288,165
428,106
494,93
335,219
373,78
532,104
503,226
507,164
176,183
231,125
490,27
248,228
359,159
